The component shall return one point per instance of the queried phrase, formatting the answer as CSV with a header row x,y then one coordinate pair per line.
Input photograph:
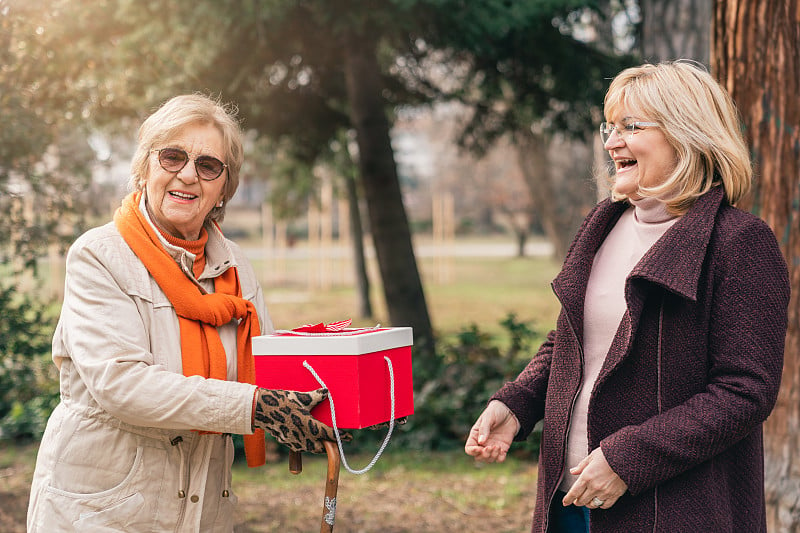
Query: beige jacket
x,y
119,452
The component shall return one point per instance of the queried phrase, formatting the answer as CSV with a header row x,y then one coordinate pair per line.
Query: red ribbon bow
x,y
332,327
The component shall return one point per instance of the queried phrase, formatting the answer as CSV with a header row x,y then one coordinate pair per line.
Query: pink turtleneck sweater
x,y
604,306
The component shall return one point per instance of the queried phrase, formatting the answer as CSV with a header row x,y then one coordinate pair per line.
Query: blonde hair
x,y
698,119
178,113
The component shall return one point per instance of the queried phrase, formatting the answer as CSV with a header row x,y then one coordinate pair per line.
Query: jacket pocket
x,y
129,505
100,495
59,507
117,517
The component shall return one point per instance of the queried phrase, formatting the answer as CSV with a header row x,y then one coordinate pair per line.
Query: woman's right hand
x,y
492,434
286,415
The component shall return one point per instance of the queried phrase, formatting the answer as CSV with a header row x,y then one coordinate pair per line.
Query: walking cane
x,y
331,483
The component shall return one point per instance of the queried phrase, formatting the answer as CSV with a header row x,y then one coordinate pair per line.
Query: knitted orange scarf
x,y
199,314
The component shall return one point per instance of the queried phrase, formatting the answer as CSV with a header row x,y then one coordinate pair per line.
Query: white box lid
x,y
333,344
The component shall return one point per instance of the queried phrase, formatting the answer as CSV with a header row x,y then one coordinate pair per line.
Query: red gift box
x,y
352,363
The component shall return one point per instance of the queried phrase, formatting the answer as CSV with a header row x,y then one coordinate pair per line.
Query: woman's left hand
x,y
596,482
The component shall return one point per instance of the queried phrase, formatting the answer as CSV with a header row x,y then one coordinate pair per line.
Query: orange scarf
x,y
199,315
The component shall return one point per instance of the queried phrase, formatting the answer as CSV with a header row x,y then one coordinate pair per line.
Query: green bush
x,y
28,378
451,391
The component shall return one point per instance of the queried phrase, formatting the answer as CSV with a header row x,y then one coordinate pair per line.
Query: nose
x,y
614,140
188,174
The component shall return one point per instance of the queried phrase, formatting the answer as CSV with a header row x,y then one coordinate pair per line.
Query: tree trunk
x,y
402,287
754,54
675,29
533,160
362,279
522,240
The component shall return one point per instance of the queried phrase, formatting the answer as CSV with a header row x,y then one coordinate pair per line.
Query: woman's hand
x,y
595,480
492,434
286,415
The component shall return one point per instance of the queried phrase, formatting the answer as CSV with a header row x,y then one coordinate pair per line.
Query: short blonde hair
x,y
178,113
699,120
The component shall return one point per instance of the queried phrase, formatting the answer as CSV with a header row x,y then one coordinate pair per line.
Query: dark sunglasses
x,y
174,159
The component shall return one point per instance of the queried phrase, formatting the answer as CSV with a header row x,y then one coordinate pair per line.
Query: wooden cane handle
x,y
331,487
295,462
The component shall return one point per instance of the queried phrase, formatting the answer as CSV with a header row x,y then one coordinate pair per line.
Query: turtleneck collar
x,y
651,211
197,248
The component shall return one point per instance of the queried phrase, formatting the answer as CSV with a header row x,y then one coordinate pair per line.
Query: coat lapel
x,y
570,284
674,262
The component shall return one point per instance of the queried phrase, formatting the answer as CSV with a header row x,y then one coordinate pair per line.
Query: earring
x,y
219,204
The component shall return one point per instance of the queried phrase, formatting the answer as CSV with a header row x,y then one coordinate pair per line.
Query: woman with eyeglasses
x,y
153,348
668,350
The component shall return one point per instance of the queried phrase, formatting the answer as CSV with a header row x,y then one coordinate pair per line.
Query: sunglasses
x,y
174,159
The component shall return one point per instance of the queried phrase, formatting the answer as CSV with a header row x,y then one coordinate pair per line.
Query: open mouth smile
x,y
623,164
182,196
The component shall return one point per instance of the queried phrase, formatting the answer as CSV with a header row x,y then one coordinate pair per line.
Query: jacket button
x,y
195,498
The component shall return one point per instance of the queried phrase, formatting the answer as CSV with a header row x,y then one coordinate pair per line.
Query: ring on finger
x,y
597,502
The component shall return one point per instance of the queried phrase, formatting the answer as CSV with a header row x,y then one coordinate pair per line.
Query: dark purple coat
x,y
692,373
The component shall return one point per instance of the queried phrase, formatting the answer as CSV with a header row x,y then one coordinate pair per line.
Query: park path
x,y
423,249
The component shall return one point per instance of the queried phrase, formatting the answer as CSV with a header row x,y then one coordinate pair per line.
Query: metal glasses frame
x,y
189,158
607,128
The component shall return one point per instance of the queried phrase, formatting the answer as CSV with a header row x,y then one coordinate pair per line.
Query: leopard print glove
x,y
286,415
385,425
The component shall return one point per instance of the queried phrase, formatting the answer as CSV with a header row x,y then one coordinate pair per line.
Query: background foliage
x,y
454,389
28,378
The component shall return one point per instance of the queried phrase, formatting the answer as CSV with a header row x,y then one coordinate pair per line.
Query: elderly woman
x,y
153,348
667,354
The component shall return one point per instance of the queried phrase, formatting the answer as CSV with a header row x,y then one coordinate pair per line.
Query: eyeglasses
x,y
174,159
607,128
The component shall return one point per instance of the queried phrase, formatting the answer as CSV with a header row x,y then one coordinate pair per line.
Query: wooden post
x,y
281,249
443,227
448,236
313,245
326,232
345,264
437,233
267,241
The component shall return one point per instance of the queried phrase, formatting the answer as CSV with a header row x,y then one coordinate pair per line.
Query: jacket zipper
x,y
571,406
658,392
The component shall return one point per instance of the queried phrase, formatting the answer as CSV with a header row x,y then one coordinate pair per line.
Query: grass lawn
x,y
404,492
16,471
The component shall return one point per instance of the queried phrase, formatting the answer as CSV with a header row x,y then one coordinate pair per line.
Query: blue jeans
x,y
569,519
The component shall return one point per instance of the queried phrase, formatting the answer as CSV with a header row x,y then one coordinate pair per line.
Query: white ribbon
x,y
336,429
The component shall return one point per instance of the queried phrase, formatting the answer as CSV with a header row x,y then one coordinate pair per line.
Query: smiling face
x,y
180,202
642,159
